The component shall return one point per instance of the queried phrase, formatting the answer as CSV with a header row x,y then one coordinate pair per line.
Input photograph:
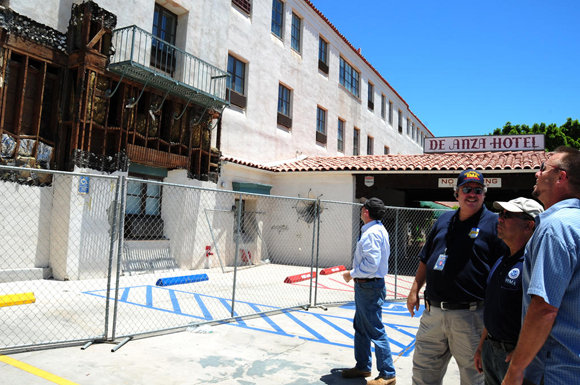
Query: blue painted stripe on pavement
x,y
125,294
227,306
306,327
336,327
269,320
174,302
149,296
204,310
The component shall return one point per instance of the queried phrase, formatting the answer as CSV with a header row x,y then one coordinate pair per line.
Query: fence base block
x,y
299,277
332,270
181,280
16,299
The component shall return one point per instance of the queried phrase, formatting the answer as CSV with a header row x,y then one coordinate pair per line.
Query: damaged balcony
x,y
143,57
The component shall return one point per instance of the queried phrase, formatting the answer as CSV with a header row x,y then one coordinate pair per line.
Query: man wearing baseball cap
x,y
454,263
503,296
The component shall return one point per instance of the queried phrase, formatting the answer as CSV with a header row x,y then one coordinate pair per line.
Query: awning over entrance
x,y
143,57
253,188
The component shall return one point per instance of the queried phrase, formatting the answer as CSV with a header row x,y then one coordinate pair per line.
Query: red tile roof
x,y
356,51
513,160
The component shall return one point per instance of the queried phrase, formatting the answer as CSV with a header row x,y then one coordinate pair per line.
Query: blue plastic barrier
x,y
181,280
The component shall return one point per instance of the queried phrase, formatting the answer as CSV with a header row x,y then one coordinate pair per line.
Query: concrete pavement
x,y
296,347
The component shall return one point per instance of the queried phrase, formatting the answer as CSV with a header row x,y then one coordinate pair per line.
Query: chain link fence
x,y
90,257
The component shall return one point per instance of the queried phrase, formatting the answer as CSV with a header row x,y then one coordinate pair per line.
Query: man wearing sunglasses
x,y
454,263
548,350
502,315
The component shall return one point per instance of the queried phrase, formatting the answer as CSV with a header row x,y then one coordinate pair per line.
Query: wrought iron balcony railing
x,y
141,56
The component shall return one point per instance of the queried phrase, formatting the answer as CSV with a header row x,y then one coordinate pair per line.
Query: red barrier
x,y
332,270
299,277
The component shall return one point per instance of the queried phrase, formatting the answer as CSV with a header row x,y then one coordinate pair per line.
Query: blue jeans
x,y
368,326
494,365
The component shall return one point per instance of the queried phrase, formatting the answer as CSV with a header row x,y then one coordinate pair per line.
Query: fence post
x,y
122,182
397,253
315,227
238,236
116,216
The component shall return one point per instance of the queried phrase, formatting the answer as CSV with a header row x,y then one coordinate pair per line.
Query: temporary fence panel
x,y
89,257
407,229
273,243
339,229
57,246
175,249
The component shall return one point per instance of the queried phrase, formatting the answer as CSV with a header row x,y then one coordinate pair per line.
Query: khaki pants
x,y
443,334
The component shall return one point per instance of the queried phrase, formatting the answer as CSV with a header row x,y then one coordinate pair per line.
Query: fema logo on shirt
x,y
514,273
474,233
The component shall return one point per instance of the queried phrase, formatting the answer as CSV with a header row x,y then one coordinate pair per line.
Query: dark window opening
x,y
163,56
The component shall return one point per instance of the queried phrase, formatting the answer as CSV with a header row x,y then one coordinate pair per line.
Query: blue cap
x,y
468,176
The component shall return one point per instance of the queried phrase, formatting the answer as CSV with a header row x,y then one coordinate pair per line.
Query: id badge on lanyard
x,y
440,264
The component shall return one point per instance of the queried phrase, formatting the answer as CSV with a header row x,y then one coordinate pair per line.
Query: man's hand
x,y
509,356
477,360
413,302
346,276
510,379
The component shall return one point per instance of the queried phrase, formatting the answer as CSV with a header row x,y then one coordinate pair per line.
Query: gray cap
x,y
521,205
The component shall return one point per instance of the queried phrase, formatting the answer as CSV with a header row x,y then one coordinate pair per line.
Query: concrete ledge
x,y
30,274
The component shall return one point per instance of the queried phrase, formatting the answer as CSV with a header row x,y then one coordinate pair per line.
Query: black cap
x,y
470,176
376,208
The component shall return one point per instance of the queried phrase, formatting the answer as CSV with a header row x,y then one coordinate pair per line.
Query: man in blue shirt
x,y
454,263
370,265
548,350
502,314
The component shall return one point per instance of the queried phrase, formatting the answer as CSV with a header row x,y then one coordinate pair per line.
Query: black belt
x,y
500,344
363,280
453,306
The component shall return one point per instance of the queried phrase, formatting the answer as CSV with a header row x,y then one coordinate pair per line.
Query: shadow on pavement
x,y
335,377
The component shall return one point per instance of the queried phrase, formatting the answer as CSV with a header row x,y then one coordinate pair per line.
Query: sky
x,y
467,67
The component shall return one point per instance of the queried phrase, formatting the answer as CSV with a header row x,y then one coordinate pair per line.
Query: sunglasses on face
x,y
543,167
508,215
476,190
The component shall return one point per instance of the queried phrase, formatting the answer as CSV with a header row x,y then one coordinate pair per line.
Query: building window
x,y
143,210
355,141
323,55
371,103
320,120
390,112
284,114
400,121
408,127
387,150
349,77
277,17
296,27
383,105
320,125
164,29
340,136
370,145
244,5
236,81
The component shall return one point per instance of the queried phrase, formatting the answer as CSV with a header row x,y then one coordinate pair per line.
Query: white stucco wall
x,y
25,220
254,134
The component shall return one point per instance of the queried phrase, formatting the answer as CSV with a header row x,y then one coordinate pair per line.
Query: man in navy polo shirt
x,y
454,263
503,296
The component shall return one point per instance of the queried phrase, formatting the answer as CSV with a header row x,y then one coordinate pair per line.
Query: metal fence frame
x,y
287,235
